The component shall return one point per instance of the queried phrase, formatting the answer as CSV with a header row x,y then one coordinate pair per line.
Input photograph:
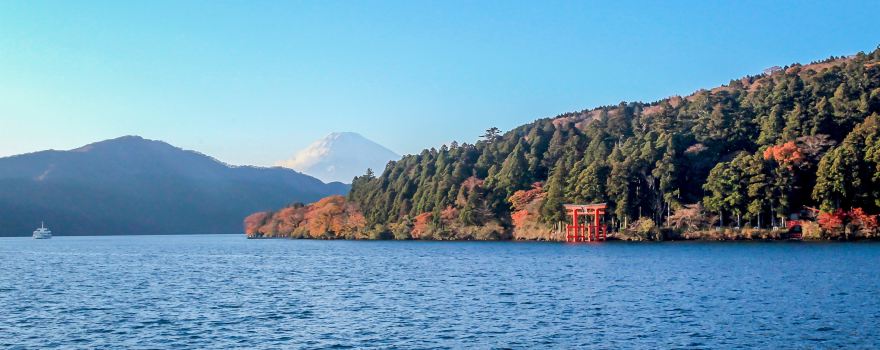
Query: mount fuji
x,y
340,157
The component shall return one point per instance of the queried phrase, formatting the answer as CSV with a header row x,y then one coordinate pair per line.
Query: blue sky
x,y
250,82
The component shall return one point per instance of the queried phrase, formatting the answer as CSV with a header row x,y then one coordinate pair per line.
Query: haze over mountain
x,y
340,156
131,185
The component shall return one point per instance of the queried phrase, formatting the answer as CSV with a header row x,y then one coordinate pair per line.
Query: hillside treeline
x,y
747,154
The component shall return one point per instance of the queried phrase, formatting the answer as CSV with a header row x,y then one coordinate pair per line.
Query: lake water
x,y
223,291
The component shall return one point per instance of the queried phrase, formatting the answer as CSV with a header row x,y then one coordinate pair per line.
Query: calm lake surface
x,y
223,291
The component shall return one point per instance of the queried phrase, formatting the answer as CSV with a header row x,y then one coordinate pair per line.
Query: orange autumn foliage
x,y
420,224
526,204
526,220
333,215
521,199
330,217
253,222
787,154
519,217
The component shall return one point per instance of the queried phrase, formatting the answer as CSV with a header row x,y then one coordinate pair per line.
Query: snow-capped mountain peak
x,y
340,156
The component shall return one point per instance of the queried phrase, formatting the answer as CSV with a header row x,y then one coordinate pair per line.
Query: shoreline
x,y
609,240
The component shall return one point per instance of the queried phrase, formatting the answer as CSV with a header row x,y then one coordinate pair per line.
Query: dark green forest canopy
x,y
756,149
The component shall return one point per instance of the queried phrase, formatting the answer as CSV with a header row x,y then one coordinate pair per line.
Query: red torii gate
x,y
585,233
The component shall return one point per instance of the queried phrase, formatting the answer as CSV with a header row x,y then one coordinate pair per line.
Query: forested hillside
x,y
749,153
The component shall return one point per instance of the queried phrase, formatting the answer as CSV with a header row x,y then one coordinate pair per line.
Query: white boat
x,y
42,232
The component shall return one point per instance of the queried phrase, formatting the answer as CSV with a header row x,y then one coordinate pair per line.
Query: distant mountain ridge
x,y
131,185
340,156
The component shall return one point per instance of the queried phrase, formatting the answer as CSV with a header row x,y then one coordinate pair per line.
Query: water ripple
x,y
220,292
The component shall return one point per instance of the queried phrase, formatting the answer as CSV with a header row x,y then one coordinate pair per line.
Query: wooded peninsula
x,y
734,162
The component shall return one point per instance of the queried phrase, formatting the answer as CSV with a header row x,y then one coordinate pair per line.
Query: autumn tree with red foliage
x,y
787,154
832,222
